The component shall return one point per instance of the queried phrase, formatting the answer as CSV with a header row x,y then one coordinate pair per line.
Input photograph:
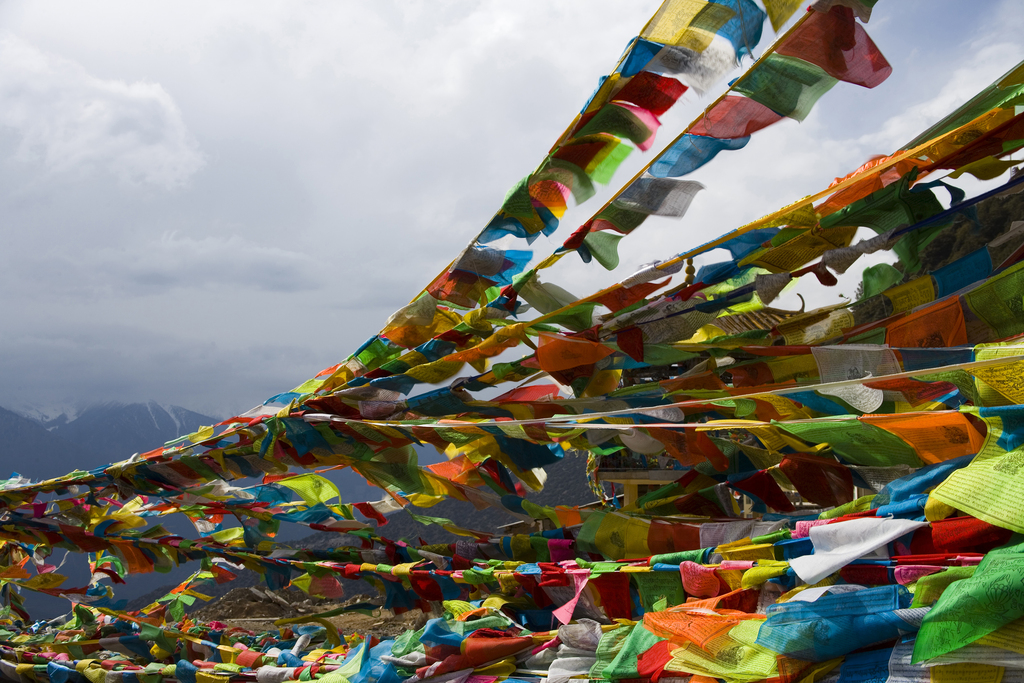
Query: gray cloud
x,y
175,262
260,186
69,121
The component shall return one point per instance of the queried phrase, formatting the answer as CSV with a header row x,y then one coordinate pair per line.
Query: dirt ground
x,y
256,609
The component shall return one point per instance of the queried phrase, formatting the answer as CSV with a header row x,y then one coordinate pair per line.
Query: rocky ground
x,y
256,609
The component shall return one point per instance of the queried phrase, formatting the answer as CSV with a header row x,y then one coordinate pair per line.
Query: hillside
x,y
97,436
120,430
566,485
28,448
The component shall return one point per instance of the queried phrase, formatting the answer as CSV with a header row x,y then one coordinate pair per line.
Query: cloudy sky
x,y
206,203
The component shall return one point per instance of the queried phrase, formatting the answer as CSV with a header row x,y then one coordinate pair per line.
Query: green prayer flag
x,y
577,318
604,247
856,442
879,278
974,607
636,642
787,85
653,586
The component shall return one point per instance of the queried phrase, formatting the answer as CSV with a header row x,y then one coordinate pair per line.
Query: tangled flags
x,y
829,494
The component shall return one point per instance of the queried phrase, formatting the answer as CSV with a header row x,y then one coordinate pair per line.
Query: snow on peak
x,y
50,414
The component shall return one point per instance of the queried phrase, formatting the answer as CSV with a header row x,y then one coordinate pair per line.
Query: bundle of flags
x,y
839,488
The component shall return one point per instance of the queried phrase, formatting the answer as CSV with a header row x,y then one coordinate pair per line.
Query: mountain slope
x,y
95,437
28,448
120,430
566,485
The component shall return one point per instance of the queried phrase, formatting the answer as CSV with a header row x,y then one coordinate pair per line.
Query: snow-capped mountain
x,y
90,437
49,414
28,448
122,429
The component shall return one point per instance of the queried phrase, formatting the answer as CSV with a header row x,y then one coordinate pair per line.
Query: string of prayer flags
x,y
824,49
780,495
840,46
688,28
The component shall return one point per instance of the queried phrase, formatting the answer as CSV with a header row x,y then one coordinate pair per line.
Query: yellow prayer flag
x,y
910,295
687,23
779,11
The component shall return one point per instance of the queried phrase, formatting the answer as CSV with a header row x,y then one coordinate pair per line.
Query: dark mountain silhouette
x,y
566,485
98,436
121,430
107,433
28,448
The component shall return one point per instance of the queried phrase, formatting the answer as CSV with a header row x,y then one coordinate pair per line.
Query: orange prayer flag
x,y
701,628
870,183
690,447
939,325
459,469
15,571
503,338
136,560
563,353
936,438
620,298
568,516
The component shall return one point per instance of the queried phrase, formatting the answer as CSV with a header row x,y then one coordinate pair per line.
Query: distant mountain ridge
x,y
98,435
566,485
125,429
45,413
28,448
92,437
60,442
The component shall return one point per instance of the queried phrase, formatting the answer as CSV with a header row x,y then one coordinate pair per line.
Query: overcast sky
x,y
206,203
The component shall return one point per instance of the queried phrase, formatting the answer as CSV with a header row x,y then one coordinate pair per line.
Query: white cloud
x,y
351,150
983,66
179,261
69,121
173,265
